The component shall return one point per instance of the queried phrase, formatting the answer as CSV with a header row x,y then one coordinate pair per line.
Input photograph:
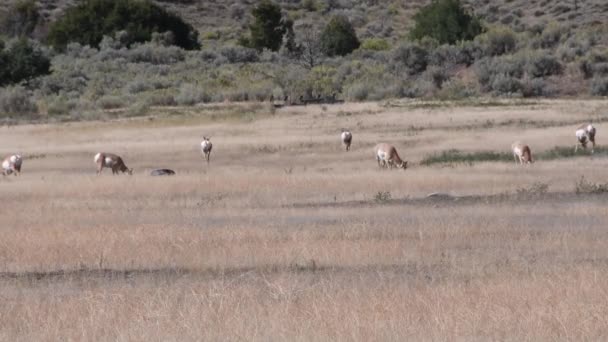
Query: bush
x,y
375,44
411,56
16,100
339,37
87,23
506,85
449,55
487,69
535,87
542,64
21,19
552,35
190,95
599,86
498,41
21,61
238,54
446,21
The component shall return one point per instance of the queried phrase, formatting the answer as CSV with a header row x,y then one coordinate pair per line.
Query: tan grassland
x,y
284,235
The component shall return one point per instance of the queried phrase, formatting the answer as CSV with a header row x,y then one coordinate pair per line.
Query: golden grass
x,y
280,237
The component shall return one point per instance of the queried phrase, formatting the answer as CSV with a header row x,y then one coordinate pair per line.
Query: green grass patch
x,y
468,102
460,157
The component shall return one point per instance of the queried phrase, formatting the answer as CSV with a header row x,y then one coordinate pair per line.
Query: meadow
x,y
286,236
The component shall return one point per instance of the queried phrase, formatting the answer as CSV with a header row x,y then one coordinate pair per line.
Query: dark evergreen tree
x,y
339,37
445,21
87,23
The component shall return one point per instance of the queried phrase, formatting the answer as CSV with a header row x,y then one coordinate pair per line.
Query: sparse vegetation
x,y
584,186
382,196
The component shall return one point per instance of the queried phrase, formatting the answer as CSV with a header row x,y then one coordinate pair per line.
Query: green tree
x,y
269,27
22,61
446,21
87,23
339,37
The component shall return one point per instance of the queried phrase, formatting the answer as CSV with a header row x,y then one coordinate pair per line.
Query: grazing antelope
x,y
112,161
584,133
206,147
347,138
12,164
521,153
387,156
162,172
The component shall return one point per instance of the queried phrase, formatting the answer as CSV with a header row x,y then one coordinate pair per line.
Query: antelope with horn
x,y
585,133
347,138
387,156
12,164
521,153
111,161
206,147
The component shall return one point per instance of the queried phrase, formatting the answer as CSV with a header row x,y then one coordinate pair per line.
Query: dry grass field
x,y
285,236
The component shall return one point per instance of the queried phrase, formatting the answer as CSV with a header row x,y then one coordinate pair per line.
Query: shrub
x,y
449,55
16,100
338,38
552,35
190,95
21,19
359,91
583,186
375,44
542,64
238,54
155,54
22,61
89,21
446,21
488,69
498,41
599,86
455,89
506,85
411,56
534,87
113,102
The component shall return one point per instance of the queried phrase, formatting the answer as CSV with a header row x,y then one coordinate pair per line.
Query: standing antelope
x,y
521,153
584,133
112,161
206,147
12,164
387,156
347,138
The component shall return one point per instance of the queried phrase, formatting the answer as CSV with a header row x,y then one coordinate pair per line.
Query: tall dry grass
x,y
281,237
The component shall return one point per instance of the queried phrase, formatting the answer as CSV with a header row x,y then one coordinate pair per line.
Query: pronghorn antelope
x,y
521,153
347,138
387,156
206,147
112,161
12,164
584,133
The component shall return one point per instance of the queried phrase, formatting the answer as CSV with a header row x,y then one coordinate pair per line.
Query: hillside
x,y
530,49
227,20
